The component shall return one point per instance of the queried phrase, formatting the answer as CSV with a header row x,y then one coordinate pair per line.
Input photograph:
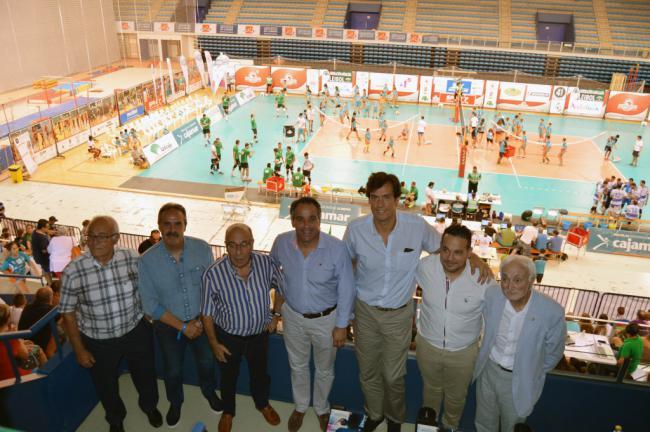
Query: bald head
x,y
44,295
103,223
239,228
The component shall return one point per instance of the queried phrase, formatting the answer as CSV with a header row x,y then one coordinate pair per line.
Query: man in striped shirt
x,y
103,319
237,319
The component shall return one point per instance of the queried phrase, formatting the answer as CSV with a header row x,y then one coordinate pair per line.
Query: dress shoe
x,y
393,426
370,425
155,418
270,415
117,428
295,421
173,415
215,404
323,421
225,423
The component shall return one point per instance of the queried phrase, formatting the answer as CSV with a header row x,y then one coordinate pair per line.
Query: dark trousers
x,y
137,348
473,187
255,349
173,353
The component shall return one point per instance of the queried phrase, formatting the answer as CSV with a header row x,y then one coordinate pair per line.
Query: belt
x,y
319,314
504,369
383,309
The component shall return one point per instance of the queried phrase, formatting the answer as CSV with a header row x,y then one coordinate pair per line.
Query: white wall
x,y
54,38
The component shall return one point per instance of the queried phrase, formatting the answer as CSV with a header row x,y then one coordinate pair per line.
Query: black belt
x,y
504,369
319,314
383,309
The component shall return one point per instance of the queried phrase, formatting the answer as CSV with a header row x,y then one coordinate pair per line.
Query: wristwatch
x,y
276,314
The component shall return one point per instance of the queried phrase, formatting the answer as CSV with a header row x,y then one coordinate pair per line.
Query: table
x,y
445,196
489,253
584,348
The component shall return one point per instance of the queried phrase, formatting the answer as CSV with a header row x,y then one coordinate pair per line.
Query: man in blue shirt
x,y
386,248
541,240
555,243
318,297
170,284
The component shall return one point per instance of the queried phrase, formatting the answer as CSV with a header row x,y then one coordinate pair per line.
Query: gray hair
x,y
522,261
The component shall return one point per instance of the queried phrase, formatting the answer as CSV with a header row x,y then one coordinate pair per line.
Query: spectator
x,y
489,229
541,241
646,350
27,237
430,199
40,241
528,235
56,292
18,348
641,322
585,322
17,306
506,236
540,266
632,348
154,237
17,263
60,251
440,225
603,328
571,324
84,234
33,312
555,242
5,237
51,225
20,240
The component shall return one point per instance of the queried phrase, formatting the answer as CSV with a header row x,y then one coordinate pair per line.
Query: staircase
x,y
552,67
410,16
233,12
263,48
356,53
319,13
505,23
602,26
453,58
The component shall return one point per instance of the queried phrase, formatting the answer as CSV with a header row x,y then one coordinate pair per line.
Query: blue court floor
x,y
191,162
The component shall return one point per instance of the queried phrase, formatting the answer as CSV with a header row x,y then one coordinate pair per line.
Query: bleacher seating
x,y
133,10
311,50
392,15
493,61
629,21
218,11
335,14
523,18
467,18
167,11
277,12
237,47
405,55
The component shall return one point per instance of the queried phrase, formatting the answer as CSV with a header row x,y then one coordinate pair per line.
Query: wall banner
x,y
627,106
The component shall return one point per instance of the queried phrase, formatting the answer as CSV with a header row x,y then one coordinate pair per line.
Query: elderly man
x,y
318,297
103,319
450,324
237,319
170,283
523,340
386,248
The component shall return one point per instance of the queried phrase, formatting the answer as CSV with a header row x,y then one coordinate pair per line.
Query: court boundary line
x,y
408,147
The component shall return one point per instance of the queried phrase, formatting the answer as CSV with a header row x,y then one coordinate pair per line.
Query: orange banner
x,y
294,80
627,106
253,77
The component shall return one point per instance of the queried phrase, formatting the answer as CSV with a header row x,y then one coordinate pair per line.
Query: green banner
x,y
331,213
619,242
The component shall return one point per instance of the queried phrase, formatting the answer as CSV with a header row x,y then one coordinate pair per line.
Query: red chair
x,y
578,237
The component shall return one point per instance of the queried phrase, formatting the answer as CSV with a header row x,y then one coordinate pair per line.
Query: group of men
x,y
220,310
615,197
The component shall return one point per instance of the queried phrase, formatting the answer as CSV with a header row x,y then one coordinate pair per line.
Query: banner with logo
x,y
160,148
444,90
379,82
558,99
163,27
130,105
208,66
511,95
253,77
362,81
42,138
538,98
248,30
71,142
619,242
627,106
186,132
20,145
588,103
313,80
245,96
103,127
205,28
293,79
407,87
184,70
333,79
214,113
491,94
331,213
426,88
125,26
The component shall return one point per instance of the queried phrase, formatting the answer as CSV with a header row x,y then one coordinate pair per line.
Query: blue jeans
x,y
173,353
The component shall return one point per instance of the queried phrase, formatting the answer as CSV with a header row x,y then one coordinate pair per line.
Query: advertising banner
x,y
182,27
304,32
627,106
313,80
332,213
379,81
334,79
125,26
426,88
395,37
619,242
588,103
131,114
227,29
558,99
444,91
163,27
407,87
143,26
293,79
102,111
248,30
366,35
245,96
21,144
186,132
184,70
205,28
42,136
351,34
160,148
215,113
362,81
270,31
512,92
253,77
72,142
537,98
104,127
491,94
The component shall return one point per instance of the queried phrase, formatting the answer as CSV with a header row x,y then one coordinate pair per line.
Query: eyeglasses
x,y
101,237
242,245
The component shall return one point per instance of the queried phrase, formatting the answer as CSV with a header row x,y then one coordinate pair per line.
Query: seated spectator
x,y
154,237
19,349
472,203
571,325
440,225
507,236
92,148
641,322
5,237
632,348
84,233
33,312
138,158
603,328
17,263
541,240
483,241
16,309
620,321
645,358
528,235
540,266
60,251
555,243
585,323
27,237
489,229
56,292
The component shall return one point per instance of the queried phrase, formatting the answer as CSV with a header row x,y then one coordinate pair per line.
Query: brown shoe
x,y
323,421
225,424
270,415
295,421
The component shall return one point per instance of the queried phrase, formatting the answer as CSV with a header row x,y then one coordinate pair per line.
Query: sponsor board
x,y
377,83
205,28
186,132
332,33
619,242
430,39
627,106
132,114
426,87
270,31
366,35
214,113
340,79
182,27
21,143
491,94
512,92
362,80
227,29
407,87
331,213
293,79
313,80
143,26
248,30
588,103
558,99
125,26
252,77
104,127
70,143
164,27
245,96
160,148
304,32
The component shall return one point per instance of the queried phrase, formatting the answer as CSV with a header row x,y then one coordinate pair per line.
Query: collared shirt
x,y
321,280
429,195
241,307
174,286
451,311
60,250
555,243
385,274
529,234
105,297
505,347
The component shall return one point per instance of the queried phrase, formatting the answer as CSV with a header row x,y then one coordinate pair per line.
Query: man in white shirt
x,y
638,145
449,325
307,166
523,340
430,198
422,126
60,250
529,234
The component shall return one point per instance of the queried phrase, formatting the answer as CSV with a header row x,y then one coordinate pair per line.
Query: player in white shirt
x,y
638,146
422,126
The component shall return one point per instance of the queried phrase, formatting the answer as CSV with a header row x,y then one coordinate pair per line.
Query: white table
x,y
585,349
451,197
489,253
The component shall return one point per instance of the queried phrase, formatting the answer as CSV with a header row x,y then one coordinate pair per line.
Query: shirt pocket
x,y
321,274
406,262
196,275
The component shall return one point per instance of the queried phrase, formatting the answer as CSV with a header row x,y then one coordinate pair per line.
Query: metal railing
x,y
21,224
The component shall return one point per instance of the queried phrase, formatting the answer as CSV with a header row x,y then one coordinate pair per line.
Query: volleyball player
x,y
562,151
366,142
547,149
290,158
280,104
390,146
522,147
383,126
254,127
235,157
353,127
246,153
216,156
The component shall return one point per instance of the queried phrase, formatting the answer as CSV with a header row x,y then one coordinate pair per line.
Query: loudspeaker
x,y
526,215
